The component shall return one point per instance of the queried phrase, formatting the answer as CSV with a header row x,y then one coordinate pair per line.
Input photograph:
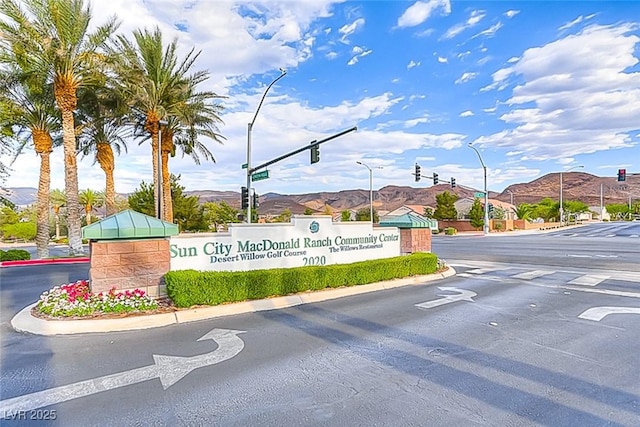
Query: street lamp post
x,y
561,202
370,187
511,201
158,191
486,194
249,128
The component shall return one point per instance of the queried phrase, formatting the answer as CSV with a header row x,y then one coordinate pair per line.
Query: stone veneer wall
x,y
415,240
130,264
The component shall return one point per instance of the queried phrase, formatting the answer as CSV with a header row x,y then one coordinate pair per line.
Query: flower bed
x,y
77,300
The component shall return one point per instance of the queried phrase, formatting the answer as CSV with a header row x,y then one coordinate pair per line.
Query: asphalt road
x,y
514,343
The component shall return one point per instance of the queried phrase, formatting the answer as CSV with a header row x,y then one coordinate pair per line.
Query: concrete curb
x,y
44,261
25,322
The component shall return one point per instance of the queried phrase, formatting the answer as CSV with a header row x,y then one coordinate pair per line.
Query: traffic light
x,y
453,182
244,197
490,208
255,202
622,174
315,154
435,178
417,172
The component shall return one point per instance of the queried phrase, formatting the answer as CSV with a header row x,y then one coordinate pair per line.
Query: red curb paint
x,y
43,261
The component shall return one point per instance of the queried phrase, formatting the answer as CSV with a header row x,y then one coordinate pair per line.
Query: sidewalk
x,y
25,322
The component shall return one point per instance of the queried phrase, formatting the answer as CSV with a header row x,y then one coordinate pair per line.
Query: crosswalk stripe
x,y
482,270
588,280
528,275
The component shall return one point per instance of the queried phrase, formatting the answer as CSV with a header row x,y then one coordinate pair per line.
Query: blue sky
x,y
537,87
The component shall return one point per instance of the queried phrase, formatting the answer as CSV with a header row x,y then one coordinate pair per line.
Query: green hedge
x,y
14,255
190,287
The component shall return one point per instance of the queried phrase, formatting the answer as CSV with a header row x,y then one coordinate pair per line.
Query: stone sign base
x,y
130,264
415,240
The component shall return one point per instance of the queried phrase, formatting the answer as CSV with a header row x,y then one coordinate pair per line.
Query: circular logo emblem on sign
x,y
314,227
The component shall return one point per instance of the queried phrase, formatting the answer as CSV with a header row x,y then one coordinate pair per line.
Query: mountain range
x,y
580,186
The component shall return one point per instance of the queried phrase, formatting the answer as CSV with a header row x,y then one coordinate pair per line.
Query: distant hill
x,y
576,186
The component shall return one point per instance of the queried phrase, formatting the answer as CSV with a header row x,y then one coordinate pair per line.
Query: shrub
x,y
450,231
189,287
14,255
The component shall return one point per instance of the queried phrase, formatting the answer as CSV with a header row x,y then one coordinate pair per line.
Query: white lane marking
x,y
528,275
463,295
610,235
169,369
482,270
635,235
578,256
588,280
599,313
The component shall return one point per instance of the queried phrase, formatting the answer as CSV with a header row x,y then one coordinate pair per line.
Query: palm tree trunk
x,y
154,162
166,146
43,145
106,160
71,180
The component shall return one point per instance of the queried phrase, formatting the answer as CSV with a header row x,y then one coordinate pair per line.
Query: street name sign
x,y
478,194
259,176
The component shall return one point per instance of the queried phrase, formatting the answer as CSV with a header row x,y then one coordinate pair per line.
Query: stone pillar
x,y
415,240
130,264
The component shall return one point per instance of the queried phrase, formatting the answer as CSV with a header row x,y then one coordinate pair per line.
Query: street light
x,y
486,195
159,167
249,128
561,203
370,188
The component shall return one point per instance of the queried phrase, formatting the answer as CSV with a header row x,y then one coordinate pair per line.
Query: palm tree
x,y
58,199
90,199
28,117
53,34
160,89
101,131
197,116
523,211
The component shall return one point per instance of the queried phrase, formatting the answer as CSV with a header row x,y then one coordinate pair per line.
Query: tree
x,y
188,213
364,214
17,225
219,214
345,216
427,212
101,119
28,117
445,208
90,199
618,210
308,211
547,209
58,45
523,211
58,199
476,214
285,216
159,88
498,213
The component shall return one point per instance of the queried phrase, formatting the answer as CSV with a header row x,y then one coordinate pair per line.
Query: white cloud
x,y
576,96
442,60
511,13
491,31
420,11
350,29
412,64
467,113
466,77
475,17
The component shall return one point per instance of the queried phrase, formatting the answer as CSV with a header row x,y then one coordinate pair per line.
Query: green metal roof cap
x,y
128,224
409,220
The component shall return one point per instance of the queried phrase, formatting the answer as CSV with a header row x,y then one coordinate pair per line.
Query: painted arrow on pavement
x,y
169,369
463,295
599,313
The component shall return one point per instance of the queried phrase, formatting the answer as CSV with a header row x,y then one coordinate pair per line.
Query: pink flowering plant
x,y
76,299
